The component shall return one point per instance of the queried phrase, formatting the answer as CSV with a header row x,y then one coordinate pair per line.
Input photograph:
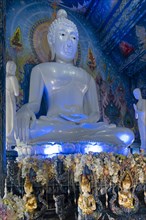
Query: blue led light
x,y
52,149
93,148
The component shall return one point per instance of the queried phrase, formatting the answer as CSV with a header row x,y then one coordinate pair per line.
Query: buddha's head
x,y
127,182
137,93
85,184
28,186
10,68
63,38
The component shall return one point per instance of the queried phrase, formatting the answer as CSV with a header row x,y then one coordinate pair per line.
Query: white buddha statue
x,y
12,90
73,108
140,115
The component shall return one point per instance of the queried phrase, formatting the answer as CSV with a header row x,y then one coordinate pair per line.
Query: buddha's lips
x,y
68,50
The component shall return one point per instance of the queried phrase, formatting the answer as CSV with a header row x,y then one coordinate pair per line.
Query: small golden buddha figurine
x,y
29,197
86,201
125,196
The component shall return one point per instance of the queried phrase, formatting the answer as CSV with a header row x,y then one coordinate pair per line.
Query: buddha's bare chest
x,y
64,78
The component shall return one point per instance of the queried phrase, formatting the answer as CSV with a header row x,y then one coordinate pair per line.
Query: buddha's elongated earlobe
x,y
51,47
52,52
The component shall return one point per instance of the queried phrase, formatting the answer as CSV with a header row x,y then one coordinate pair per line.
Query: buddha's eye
x,y
73,37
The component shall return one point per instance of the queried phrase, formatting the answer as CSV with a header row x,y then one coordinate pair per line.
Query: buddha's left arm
x,y
91,103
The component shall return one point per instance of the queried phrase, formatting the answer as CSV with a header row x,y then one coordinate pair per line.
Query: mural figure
x,y
140,115
12,90
73,109
86,201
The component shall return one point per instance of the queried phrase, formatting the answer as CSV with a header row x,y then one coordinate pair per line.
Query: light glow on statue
x,y
52,149
92,147
124,138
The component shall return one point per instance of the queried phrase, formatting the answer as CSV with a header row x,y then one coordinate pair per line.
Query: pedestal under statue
x,y
73,108
140,115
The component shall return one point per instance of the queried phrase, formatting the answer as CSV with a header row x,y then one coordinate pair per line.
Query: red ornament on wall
x,y
126,48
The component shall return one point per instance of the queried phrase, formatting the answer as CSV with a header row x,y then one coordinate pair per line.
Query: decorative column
x,y
2,98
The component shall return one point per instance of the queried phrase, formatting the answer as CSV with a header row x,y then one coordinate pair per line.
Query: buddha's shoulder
x,y
44,66
54,67
84,73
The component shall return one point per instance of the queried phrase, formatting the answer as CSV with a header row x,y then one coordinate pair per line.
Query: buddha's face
x,y
66,42
85,188
126,185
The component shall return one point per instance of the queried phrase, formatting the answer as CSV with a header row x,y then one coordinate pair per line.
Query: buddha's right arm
x,y
26,114
35,90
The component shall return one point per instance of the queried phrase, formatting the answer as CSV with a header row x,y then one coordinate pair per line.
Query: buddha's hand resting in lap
x,y
76,118
24,118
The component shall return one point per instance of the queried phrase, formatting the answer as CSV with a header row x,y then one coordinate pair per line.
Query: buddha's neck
x,y
63,61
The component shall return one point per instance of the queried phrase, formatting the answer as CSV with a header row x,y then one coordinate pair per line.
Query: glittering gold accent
x,y
29,197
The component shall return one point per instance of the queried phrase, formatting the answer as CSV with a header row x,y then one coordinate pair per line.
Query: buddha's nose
x,y
69,43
